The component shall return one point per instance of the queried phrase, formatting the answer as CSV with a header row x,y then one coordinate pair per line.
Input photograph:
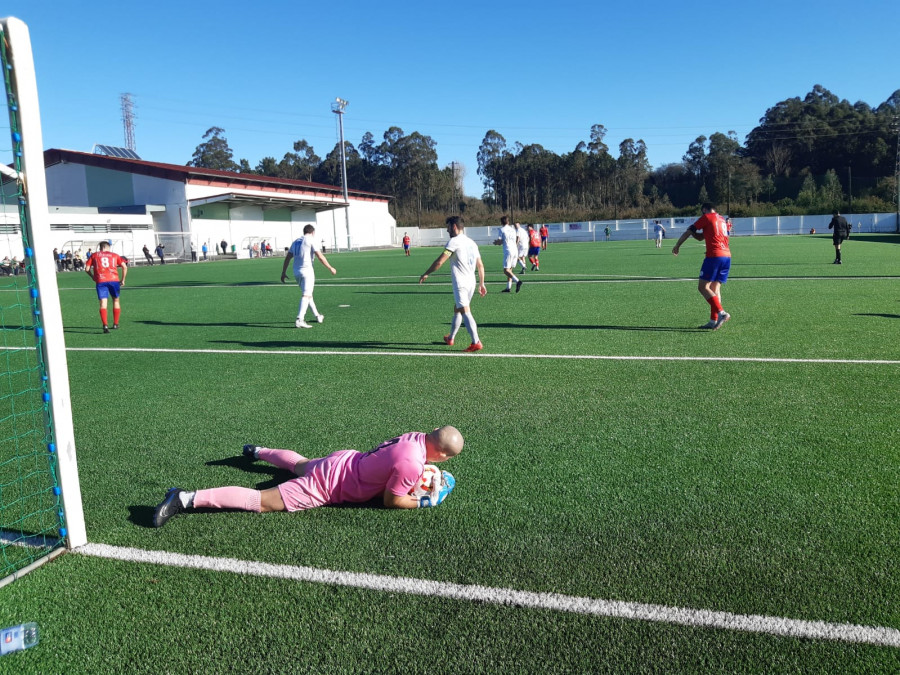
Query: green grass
x,y
749,487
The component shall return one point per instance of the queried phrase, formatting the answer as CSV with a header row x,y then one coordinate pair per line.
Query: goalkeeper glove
x,y
439,490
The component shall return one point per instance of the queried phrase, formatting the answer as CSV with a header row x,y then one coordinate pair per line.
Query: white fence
x,y
619,230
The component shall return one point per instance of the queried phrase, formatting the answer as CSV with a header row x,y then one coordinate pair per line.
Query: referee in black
x,y
841,232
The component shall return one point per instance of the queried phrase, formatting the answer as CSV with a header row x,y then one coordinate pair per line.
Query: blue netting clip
x,y
39,332
51,447
46,397
56,490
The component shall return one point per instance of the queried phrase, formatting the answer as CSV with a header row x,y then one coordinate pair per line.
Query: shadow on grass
x,y
675,329
248,465
223,324
878,238
142,516
203,284
333,344
418,291
885,316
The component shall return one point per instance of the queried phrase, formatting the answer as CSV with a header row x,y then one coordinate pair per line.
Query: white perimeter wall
x,y
643,229
371,225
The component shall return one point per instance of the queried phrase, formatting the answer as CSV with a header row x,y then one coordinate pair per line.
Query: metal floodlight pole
x,y
338,108
896,126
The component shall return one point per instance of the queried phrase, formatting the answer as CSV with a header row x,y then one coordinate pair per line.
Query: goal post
x,y
40,496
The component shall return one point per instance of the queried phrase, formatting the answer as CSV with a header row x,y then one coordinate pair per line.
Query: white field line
x,y
697,618
481,355
543,279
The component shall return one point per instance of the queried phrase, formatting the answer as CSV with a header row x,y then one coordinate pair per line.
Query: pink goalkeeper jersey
x,y
394,465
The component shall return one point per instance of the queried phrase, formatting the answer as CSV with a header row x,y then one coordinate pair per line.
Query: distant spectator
x,y
224,247
193,253
147,255
69,258
268,249
205,250
55,260
161,252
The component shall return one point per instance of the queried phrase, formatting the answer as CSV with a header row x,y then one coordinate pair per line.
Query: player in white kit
x,y
465,260
508,239
521,246
302,252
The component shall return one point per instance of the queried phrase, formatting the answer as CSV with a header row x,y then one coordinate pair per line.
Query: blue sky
x,y
267,72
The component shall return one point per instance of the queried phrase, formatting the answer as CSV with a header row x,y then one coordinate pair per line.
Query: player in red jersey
x,y
101,267
712,229
545,235
534,248
406,241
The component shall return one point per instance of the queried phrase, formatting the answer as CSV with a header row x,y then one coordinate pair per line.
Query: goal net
x,y
40,499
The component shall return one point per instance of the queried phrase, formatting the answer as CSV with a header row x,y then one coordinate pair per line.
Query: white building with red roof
x,y
134,203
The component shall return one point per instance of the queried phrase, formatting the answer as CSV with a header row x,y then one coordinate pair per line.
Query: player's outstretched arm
x,y
683,238
435,266
325,262
287,260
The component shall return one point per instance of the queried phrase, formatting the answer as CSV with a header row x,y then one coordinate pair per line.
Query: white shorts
x,y
523,252
307,281
509,259
463,296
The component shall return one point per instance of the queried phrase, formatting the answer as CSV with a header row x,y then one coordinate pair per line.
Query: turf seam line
x,y
482,355
695,618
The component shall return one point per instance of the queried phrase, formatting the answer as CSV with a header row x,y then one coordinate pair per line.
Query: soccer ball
x,y
425,484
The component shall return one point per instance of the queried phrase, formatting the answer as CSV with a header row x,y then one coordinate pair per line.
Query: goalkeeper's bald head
x,y
443,443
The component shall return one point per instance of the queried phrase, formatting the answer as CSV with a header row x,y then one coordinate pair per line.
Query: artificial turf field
x,y
620,465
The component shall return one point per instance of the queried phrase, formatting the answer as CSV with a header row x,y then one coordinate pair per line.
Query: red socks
x,y
715,307
116,312
103,316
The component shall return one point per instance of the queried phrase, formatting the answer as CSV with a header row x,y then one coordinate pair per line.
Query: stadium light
x,y
338,108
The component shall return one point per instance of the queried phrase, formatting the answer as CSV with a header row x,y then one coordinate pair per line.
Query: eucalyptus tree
x,y
490,152
214,152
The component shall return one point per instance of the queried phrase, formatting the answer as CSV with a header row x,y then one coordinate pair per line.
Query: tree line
x,y
806,155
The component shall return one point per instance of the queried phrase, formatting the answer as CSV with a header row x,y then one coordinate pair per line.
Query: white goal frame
x,y
38,228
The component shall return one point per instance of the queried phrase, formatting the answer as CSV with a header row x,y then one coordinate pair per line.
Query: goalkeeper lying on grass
x,y
395,469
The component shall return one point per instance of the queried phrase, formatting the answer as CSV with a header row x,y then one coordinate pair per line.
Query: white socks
x,y
454,326
471,326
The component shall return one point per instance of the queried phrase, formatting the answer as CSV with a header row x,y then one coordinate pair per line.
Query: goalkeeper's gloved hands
x,y
439,490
